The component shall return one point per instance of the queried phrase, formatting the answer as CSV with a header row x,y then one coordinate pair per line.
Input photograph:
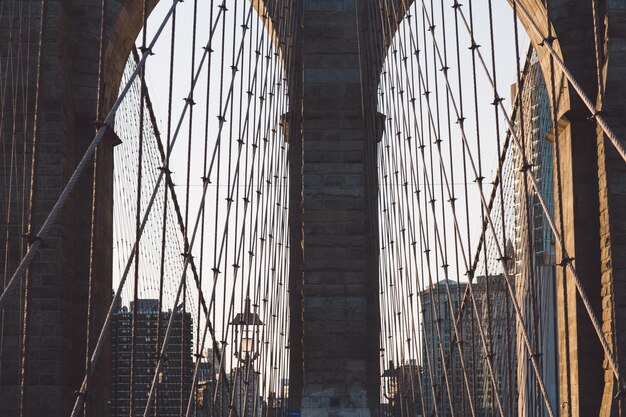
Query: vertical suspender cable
x,y
31,208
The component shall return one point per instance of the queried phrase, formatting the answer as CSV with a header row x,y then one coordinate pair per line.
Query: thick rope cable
x,y
595,112
52,217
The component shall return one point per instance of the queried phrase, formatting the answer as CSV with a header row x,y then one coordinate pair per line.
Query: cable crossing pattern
x,y
151,250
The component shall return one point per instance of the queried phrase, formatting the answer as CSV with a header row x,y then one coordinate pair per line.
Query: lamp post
x,y
390,387
247,326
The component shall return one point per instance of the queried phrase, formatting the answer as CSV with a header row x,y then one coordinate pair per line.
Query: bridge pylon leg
x,y
340,315
592,177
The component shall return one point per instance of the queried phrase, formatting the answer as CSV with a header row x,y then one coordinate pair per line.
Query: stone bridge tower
x,y
593,176
333,131
58,279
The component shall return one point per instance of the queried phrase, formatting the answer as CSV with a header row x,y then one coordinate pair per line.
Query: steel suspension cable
x,y
107,322
31,208
72,182
557,235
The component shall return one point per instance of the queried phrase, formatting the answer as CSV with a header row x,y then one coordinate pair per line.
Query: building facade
x,y
467,381
535,253
247,401
437,327
402,390
175,377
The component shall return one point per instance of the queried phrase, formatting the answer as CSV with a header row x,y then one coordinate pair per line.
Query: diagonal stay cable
x,y
435,314
595,113
430,192
38,240
100,343
557,235
423,237
198,218
245,129
488,216
170,184
492,199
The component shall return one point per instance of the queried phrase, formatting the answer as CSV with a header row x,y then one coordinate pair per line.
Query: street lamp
x,y
245,377
246,324
390,387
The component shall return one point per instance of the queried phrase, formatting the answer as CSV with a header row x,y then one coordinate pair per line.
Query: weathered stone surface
x,y
591,175
340,307
333,282
58,279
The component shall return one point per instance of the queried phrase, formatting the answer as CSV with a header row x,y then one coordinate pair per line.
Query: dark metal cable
x,y
107,322
78,172
165,168
94,191
31,209
138,208
557,235
595,113
498,247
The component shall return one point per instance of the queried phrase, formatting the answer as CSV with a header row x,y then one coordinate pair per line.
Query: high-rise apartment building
x,y
437,327
174,379
468,383
534,244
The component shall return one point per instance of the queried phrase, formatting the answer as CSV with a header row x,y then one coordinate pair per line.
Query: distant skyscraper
x,y
212,395
435,305
476,379
246,389
497,318
534,248
174,381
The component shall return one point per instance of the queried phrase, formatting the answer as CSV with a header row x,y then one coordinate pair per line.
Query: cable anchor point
x,y
596,114
548,40
31,239
146,50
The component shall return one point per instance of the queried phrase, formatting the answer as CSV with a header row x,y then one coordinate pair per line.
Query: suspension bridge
x,y
312,208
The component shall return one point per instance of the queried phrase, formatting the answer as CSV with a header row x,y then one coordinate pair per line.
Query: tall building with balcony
x,y
534,244
174,379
